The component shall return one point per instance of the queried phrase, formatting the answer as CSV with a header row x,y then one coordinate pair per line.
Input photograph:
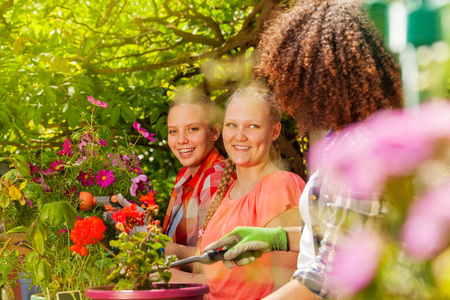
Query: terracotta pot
x,y
178,291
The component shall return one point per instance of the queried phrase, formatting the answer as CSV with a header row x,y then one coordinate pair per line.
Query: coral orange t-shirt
x,y
273,194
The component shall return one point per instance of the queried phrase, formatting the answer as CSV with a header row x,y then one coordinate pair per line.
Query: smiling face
x,y
249,131
190,136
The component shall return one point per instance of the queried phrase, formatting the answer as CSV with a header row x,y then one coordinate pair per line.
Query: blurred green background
x,y
132,54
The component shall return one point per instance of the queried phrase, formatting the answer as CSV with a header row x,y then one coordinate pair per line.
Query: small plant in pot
x,y
139,269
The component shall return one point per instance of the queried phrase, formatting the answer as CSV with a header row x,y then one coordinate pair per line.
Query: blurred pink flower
x,y
97,102
49,171
103,143
105,178
388,144
426,231
355,263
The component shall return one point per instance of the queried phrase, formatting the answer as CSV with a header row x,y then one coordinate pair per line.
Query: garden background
x,y
132,54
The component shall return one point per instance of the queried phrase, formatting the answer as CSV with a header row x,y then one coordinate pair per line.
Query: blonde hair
x,y
255,90
214,115
195,96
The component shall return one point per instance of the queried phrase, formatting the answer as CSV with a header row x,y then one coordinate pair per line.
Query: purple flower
x,y
47,172
135,169
28,201
105,178
103,143
356,262
33,168
85,179
138,184
143,131
42,182
425,232
97,102
67,148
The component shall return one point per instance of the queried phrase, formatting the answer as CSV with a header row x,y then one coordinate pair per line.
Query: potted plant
x,y
39,200
139,256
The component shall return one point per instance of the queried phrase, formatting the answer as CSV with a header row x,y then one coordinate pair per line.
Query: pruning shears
x,y
207,258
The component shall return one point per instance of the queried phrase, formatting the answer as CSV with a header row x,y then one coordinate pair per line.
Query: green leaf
x,y
5,201
58,213
5,120
115,114
128,114
160,124
50,95
31,191
21,165
39,270
38,237
74,119
37,116
20,229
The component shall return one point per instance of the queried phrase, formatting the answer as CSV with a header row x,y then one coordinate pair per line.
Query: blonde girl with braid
x,y
262,195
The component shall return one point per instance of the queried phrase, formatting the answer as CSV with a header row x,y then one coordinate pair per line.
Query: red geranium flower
x,y
86,232
149,199
128,217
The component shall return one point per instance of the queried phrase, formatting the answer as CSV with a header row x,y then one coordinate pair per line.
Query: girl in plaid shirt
x,y
194,129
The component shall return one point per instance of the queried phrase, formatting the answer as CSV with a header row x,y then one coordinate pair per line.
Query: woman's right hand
x,y
245,244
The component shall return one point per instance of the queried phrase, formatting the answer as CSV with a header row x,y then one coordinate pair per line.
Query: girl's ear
x,y
216,131
276,131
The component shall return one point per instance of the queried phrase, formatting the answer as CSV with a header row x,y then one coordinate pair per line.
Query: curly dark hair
x,y
327,64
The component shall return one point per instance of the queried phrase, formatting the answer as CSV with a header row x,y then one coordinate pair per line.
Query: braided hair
x,y
257,90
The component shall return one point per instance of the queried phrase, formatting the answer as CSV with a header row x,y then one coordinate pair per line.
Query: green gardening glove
x,y
245,244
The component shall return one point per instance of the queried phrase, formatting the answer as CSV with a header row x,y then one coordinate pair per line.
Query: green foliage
x,y
128,54
139,254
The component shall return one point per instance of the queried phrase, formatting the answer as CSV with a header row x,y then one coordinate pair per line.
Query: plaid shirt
x,y
191,197
331,216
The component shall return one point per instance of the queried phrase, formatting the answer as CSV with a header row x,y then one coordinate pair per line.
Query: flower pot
x,y
27,289
36,297
178,291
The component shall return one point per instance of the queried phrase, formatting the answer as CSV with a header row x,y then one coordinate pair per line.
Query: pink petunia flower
x,y
67,148
425,232
392,144
97,102
138,184
143,131
348,276
85,178
105,178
